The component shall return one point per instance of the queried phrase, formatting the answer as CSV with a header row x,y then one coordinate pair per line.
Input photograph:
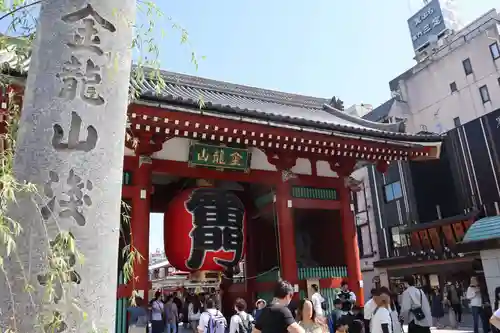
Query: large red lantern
x,y
204,229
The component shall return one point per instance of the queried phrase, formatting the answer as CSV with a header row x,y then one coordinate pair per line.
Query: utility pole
x,y
71,145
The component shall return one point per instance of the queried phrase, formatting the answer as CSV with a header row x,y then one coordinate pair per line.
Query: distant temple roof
x,y
380,112
286,110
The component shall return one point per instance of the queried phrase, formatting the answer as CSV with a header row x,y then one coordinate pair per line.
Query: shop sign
x,y
427,22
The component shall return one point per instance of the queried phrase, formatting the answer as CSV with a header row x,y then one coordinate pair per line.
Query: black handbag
x,y
418,312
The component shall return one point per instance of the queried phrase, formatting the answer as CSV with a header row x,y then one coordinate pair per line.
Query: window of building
x,y
398,239
453,86
364,237
364,241
457,122
360,201
467,66
485,95
495,51
393,191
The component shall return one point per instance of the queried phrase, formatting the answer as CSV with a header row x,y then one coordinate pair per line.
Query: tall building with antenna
x,y
451,14
456,78
455,81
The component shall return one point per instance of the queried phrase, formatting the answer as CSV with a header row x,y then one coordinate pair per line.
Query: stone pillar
x,y
286,232
351,249
139,223
71,145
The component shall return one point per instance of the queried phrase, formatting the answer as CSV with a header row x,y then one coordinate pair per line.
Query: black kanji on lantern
x,y
217,225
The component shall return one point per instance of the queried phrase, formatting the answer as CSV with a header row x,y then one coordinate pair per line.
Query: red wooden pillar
x,y
351,249
140,223
286,232
250,260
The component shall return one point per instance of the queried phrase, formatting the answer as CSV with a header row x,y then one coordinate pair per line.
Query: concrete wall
x,y
430,103
491,267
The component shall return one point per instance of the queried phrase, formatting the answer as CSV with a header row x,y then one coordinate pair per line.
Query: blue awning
x,y
483,229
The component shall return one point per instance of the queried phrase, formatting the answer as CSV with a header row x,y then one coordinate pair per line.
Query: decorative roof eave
x,y
287,122
15,60
385,127
161,119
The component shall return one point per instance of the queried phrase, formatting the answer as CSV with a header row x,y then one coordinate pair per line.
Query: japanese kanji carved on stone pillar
x,y
71,145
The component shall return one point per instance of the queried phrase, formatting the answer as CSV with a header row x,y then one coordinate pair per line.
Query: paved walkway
x,y
464,327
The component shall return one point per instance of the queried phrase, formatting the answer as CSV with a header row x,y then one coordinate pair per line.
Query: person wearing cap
x,y
259,305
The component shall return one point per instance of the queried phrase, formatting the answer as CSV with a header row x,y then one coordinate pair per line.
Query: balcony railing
x,y
324,272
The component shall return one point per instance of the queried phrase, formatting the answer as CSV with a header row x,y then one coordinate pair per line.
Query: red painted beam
x,y
182,169
215,126
315,204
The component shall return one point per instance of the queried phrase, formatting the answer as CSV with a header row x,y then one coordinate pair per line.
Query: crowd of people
x,y
384,312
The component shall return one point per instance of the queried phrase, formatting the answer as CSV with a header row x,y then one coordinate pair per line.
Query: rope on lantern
x,y
256,276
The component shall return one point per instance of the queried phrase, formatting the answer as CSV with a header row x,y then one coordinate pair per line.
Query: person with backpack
x,y
347,297
211,320
318,301
241,322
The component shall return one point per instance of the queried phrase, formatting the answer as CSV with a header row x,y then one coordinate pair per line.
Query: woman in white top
x,y
157,313
194,313
476,302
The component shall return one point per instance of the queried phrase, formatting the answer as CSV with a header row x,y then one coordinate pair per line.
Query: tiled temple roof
x,y
244,101
263,104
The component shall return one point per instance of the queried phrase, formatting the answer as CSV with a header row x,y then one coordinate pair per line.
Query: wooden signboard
x,y
435,239
426,243
451,242
219,157
416,245
459,230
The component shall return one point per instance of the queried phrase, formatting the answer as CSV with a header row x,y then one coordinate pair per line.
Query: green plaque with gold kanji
x,y
219,157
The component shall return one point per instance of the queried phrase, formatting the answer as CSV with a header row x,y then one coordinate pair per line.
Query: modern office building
x,y
414,216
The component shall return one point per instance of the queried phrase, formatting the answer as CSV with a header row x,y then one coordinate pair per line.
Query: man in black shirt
x,y
277,317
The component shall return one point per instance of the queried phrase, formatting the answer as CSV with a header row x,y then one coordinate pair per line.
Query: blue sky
x,y
350,49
